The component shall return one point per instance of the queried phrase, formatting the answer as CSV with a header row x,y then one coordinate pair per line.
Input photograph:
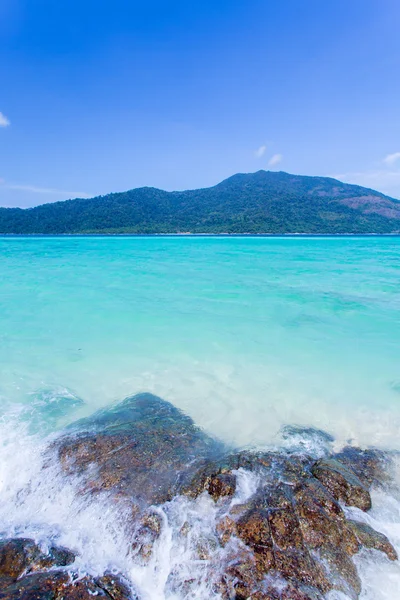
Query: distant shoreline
x,y
191,235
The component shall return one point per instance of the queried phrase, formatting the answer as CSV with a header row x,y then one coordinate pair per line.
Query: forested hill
x,y
262,202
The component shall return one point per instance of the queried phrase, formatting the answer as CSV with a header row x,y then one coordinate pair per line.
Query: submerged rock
x,y
61,585
58,585
28,573
369,538
21,556
288,540
343,483
139,449
372,466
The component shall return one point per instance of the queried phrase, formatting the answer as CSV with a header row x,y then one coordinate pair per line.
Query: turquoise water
x,y
245,334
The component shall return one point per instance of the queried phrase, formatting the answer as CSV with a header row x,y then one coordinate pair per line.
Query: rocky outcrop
x,y
21,556
289,540
139,449
344,485
28,573
59,585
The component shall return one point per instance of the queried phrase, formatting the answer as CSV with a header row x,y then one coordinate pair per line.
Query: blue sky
x,y
100,96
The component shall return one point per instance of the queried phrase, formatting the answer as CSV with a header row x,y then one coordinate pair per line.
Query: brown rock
x,y
372,466
285,528
343,574
147,532
226,528
142,435
287,592
20,556
38,586
370,538
114,587
318,526
342,483
254,530
298,566
241,576
57,585
222,485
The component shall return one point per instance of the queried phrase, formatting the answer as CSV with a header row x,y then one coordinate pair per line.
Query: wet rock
x,y
59,585
81,589
369,538
322,520
292,530
141,436
254,530
342,483
372,466
299,566
241,578
145,535
38,586
225,528
222,485
285,528
286,591
342,572
20,556
114,587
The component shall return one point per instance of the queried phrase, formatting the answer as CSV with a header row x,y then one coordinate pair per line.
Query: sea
x,y
246,335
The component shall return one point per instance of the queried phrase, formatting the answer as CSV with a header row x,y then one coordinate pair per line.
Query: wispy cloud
x,y
33,189
4,122
275,160
385,181
391,159
260,151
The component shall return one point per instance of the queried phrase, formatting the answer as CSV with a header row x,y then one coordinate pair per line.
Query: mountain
x,y
262,202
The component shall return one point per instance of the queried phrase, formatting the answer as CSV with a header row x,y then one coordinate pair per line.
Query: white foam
x,y
37,501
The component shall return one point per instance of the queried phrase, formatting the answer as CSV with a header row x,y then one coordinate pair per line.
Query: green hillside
x,y
262,202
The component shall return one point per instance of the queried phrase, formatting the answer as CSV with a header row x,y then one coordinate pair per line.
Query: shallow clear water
x,y
246,335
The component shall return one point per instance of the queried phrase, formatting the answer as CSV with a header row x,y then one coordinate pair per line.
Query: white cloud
x,y
390,159
275,160
385,181
260,151
4,122
33,189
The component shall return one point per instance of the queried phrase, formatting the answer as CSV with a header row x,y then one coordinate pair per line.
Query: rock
x,y
254,530
285,591
342,572
241,578
299,567
343,483
369,538
321,520
216,478
141,435
285,528
222,485
20,556
58,585
147,532
38,586
292,530
372,466
226,528
21,560
114,587
81,589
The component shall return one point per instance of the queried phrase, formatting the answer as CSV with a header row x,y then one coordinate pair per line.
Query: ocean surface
x,y
245,334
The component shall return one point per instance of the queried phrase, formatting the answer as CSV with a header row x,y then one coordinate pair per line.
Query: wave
x,y
42,500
